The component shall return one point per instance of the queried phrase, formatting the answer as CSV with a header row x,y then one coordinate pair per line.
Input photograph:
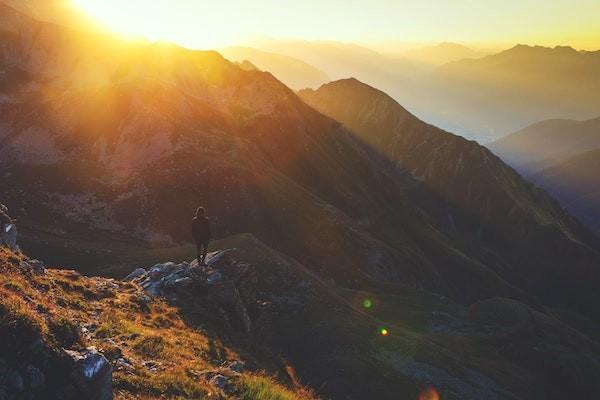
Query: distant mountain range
x,y
500,93
547,143
295,73
575,182
562,157
442,53
480,97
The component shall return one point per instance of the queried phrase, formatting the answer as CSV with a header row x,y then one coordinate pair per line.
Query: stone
x,y
124,364
237,366
35,266
214,278
92,373
219,381
8,236
138,273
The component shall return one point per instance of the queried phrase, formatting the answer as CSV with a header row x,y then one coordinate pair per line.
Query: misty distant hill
x,y
575,182
295,73
501,93
344,60
563,157
546,143
442,53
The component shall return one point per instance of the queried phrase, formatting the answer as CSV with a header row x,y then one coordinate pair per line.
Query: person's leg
x,y
199,253
204,251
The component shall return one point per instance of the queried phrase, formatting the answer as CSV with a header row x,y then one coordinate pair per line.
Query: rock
x,y
214,278
35,377
138,273
8,236
235,366
183,282
124,364
35,266
92,373
219,381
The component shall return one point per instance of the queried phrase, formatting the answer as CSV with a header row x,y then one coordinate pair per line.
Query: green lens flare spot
x,y
367,303
384,332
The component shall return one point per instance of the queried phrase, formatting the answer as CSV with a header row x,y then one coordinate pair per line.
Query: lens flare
x,y
429,394
384,332
367,303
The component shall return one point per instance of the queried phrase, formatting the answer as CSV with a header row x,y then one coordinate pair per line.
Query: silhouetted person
x,y
201,233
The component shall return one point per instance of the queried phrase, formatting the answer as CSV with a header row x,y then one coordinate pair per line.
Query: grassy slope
x,y
67,300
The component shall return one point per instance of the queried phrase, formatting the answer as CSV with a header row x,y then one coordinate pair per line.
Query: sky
x,y
217,23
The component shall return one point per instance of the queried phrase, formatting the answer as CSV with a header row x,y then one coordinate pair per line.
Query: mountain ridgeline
x,y
106,148
498,218
561,157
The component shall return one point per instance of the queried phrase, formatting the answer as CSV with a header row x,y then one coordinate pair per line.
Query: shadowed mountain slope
x,y
575,182
487,200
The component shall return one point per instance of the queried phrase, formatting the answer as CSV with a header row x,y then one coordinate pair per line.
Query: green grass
x,y
256,387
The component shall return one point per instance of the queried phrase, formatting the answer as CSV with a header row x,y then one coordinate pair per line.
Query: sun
x,y
159,20
125,19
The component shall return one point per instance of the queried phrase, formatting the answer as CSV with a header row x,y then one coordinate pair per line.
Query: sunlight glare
x,y
155,21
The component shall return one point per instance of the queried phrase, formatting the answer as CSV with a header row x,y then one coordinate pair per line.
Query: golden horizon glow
x,y
203,25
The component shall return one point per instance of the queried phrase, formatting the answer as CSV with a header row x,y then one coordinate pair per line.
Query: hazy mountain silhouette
x,y
500,93
547,143
442,53
575,182
559,156
295,73
343,60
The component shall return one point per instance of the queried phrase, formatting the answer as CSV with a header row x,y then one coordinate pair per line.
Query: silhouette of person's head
x,y
200,212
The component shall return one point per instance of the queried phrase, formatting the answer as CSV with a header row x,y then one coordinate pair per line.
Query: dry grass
x,y
261,387
59,303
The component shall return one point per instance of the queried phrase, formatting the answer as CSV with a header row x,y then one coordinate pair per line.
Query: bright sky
x,y
216,23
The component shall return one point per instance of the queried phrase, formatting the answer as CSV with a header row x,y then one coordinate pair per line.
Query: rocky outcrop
x,y
91,373
228,284
8,230
44,374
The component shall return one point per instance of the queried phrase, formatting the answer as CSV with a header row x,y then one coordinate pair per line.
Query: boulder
x,y
92,373
8,236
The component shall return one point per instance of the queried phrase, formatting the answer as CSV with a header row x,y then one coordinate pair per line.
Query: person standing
x,y
201,233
